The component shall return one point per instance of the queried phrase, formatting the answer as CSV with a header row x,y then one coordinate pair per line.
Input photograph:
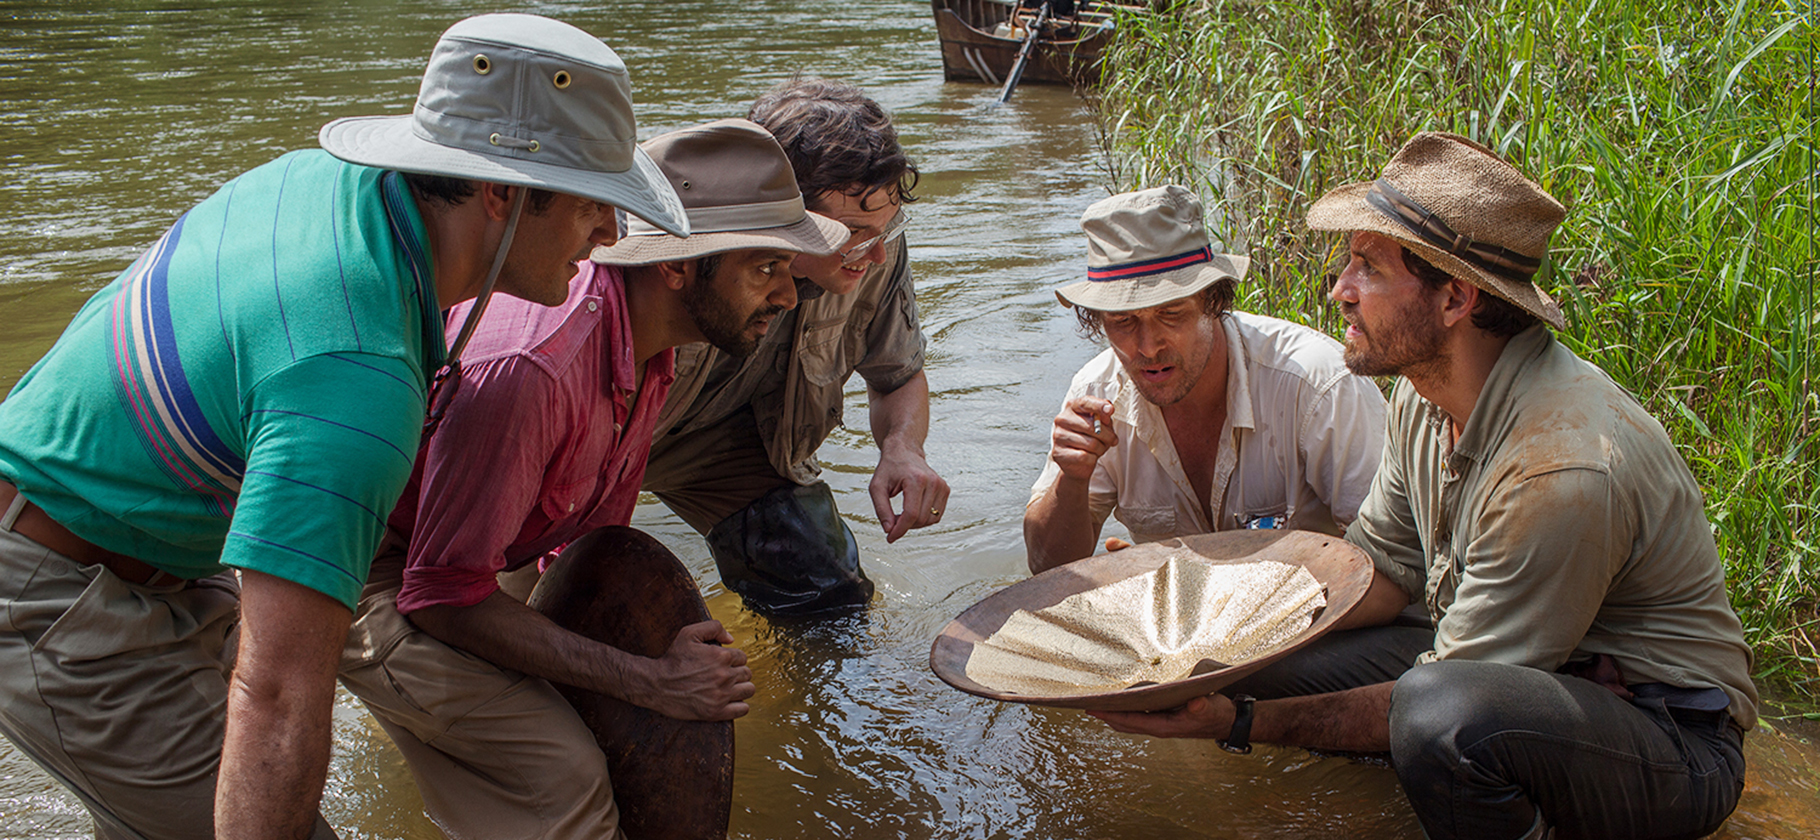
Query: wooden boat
x,y
980,42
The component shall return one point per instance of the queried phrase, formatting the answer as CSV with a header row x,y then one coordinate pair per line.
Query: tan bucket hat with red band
x,y
1462,208
1145,249
738,192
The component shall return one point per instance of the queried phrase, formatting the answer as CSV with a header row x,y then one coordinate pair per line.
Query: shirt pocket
x,y
1147,523
823,354
566,500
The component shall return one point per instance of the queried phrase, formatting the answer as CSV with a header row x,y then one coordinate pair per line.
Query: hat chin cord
x,y
486,289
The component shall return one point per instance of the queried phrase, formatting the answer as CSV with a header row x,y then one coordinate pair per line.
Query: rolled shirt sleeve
x,y
894,338
1386,526
1343,441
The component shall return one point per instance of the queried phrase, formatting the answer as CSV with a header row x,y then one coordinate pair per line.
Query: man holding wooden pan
x,y
1198,418
544,442
1586,675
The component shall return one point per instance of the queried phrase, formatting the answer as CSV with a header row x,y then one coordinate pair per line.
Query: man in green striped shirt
x,y
204,461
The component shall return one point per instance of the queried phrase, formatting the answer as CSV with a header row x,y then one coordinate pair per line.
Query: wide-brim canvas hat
x,y
739,192
521,100
1459,206
1145,249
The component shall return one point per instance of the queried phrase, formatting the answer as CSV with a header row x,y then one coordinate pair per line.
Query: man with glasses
x,y
734,454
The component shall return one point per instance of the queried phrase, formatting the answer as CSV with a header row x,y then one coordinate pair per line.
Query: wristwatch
x,y
1239,739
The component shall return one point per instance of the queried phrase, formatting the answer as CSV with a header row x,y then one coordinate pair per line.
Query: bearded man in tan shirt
x,y
1586,675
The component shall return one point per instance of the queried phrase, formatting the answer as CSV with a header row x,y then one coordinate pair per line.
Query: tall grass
x,y
1682,138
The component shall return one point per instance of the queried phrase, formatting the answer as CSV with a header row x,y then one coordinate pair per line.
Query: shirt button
x,y
593,306
571,507
618,427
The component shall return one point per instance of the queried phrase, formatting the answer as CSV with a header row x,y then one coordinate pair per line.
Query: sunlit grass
x,y
1682,138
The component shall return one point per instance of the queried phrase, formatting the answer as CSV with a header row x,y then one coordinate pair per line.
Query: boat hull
x,y
971,51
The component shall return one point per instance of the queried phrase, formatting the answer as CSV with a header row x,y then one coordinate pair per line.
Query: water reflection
x,y
116,117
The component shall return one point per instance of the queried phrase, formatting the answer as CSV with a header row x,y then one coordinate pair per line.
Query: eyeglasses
x,y
893,229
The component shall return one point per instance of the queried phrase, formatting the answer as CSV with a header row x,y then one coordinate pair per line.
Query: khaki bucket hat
x,y
521,100
738,191
1462,208
1146,249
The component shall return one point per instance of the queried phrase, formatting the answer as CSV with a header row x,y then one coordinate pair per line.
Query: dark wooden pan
x,y
1343,571
672,779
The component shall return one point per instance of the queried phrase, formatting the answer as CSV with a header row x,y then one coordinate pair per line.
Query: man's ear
x,y
1459,299
676,274
496,199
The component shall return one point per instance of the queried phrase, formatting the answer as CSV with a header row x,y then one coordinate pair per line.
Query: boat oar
x,y
1023,54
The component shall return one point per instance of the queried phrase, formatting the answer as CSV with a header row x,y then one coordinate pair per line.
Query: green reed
x,y
1682,138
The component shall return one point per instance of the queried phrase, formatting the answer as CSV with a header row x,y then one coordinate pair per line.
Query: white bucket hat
x,y
739,192
1145,249
521,100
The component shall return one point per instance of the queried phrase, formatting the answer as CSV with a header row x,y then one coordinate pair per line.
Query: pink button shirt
x,y
543,442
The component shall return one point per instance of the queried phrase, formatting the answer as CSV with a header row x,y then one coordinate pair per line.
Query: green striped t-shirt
x,y
249,392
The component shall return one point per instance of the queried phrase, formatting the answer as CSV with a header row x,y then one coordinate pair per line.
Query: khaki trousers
x,y
497,754
119,691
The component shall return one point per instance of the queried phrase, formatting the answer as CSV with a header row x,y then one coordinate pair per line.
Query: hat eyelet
x,y
561,79
483,65
494,139
685,185
534,146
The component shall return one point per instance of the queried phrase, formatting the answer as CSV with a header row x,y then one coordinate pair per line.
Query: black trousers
x,y
1487,751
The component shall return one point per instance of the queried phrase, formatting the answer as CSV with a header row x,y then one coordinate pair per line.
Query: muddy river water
x,y
117,116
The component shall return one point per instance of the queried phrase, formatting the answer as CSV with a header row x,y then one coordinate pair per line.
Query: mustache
x,y
767,312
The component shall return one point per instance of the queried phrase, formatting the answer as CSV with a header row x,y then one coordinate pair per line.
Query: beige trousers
x,y
497,754
119,691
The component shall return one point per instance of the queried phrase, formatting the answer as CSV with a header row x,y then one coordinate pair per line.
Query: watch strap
x,y
1238,740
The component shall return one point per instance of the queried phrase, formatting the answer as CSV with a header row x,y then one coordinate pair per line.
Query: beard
x,y
1187,374
1410,343
720,322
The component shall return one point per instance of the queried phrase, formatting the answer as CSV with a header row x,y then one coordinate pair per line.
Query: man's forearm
x,y
1355,720
511,635
900,419
1058,527
275,754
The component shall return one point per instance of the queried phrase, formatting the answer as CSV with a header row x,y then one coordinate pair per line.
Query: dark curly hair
x,y
1492,314
837,139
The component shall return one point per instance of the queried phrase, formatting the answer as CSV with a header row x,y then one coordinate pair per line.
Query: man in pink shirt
x,y
543,439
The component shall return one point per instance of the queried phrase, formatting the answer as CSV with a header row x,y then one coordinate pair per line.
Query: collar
x,y
1501,389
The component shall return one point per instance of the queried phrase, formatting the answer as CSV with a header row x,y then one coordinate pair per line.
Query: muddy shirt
x,y
249,392
1302,438
1561,525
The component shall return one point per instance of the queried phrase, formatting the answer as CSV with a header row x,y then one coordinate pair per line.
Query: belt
x,y
30,521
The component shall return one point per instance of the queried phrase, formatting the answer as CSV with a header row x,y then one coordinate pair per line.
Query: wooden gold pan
x,y
1343,571
672,779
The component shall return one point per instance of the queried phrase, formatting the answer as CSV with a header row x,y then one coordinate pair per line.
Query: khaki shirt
x,y
1301,440
795,380
1561,525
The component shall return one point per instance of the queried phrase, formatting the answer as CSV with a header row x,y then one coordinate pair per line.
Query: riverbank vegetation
x,y
1682,138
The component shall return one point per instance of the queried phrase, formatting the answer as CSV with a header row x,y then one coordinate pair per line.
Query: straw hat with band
x,y
738,191
521,100
1460,207
1146,249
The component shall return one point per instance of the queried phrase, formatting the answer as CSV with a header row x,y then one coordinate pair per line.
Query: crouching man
x,y
1198,418
1586,674
545,439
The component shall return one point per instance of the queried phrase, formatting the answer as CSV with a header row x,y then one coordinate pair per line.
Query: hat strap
x,y
1144,268
1427,227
